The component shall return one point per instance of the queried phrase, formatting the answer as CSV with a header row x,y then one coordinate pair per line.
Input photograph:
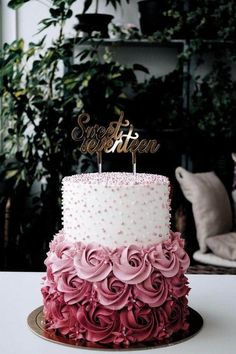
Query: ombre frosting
x,y
115,273
119,295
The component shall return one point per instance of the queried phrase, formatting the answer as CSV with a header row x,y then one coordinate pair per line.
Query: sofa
x,y
213,212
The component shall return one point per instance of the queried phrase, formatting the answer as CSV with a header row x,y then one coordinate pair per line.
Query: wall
x,y
23,23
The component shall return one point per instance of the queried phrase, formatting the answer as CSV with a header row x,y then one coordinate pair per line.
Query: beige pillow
x,y
223,246
234,205
210,203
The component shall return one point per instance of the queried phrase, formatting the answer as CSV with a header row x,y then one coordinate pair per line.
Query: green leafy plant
x,y
212,19
213,106
160,101
37,116
103,85
43,91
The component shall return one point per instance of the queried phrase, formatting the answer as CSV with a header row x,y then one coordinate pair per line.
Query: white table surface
x,y
213,296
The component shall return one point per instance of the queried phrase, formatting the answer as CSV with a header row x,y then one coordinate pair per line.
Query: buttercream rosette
x,y
121,296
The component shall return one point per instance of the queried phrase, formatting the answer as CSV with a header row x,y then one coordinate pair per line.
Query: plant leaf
x,y
11,173
15,4
87,5
140,67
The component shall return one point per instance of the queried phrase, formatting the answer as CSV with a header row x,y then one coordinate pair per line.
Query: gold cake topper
x,y
98,139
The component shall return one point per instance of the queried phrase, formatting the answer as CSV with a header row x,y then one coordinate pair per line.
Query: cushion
x,y
212,259
234,205
223,245
210,204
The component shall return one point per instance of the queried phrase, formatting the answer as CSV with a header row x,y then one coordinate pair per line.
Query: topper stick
x,y
134,162
99,161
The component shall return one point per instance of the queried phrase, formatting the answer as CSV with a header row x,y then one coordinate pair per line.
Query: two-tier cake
x,y
115,273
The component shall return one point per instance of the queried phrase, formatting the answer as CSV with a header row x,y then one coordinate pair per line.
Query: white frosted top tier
x,y
115,209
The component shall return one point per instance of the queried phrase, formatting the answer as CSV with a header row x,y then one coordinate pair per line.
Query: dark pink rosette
x,y
51,301
178,285
63,318
99,323
73,288
130,264
93,263
176,311
49,289
153,290
112,292
162,321
138,325
178,247
164,259
45,293
60,316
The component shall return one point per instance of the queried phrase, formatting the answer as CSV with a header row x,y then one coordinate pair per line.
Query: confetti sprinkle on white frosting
x,y
116,208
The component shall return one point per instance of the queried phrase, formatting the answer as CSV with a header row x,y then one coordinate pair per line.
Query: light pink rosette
x,y
164,260
178,247
57,239
130,264
169,256
93,263
138,325
99,323
61,259
153,290
49,280
73,288
112,292
178,285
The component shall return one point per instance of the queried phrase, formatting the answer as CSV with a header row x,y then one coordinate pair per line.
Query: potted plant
x,y
98,22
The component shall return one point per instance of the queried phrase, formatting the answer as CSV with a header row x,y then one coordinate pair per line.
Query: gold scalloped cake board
x,y
37,325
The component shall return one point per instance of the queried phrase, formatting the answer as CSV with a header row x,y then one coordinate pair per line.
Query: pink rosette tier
x,y
116,296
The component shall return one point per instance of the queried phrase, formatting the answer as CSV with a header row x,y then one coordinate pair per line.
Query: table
x,y
213,296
